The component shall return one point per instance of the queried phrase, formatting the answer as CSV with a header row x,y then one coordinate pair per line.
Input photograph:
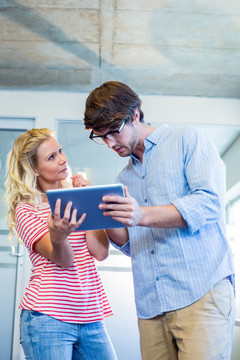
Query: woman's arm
x,y
55,245
98,244
60,252
119,236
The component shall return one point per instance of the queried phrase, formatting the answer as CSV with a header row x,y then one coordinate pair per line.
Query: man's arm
x,y
127,211
164,216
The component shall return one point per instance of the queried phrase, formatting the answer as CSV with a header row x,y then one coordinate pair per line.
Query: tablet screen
x,y
86,200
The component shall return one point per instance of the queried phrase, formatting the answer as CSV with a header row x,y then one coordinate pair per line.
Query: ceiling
x,y
158,47
163,47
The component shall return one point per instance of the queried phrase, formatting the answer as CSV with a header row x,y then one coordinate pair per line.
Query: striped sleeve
x,y
29,226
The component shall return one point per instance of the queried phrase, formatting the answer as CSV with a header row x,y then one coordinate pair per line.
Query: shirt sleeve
x,y
29,226
125,249
205,177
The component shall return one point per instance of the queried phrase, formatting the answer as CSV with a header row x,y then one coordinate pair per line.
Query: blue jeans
x,y
44,337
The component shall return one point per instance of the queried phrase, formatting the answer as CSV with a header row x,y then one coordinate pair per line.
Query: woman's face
x,y
51,164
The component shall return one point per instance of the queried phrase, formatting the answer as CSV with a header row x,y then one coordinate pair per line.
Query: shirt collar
x,y
152,139
155,135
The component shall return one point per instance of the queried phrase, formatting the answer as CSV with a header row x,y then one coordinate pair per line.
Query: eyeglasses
x,y
101,139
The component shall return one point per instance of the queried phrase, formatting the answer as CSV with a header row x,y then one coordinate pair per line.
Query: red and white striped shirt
x,y
75,294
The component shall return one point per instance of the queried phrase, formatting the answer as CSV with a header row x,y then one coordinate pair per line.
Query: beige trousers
x,y
201,331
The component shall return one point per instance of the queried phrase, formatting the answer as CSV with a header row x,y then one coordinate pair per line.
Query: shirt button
x,y
157,278
143,177
145,200
152,252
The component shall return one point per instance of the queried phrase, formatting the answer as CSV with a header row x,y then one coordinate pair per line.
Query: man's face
x,y
122,142
124,139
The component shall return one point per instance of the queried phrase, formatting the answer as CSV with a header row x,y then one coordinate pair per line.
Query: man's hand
x,y
124,209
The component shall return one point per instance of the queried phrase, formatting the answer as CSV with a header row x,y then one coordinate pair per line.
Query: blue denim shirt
x,y
174,267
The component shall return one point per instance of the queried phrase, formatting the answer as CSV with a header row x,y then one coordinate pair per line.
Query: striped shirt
x,y
75,294
174,267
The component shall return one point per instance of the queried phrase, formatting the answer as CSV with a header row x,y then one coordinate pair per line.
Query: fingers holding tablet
x,y
68,222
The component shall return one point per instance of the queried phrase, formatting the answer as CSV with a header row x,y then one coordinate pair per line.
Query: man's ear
x,y
136,116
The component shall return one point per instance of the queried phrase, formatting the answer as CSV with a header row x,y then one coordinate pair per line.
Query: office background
x,y
182,57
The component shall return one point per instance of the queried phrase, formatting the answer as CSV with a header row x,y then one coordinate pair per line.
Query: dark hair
x,y
109,104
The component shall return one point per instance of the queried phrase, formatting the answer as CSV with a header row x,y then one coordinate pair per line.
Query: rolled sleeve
x,y
194,216
125,249
198,209
205,175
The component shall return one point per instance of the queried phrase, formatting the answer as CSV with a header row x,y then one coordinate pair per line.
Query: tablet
x,y
86,200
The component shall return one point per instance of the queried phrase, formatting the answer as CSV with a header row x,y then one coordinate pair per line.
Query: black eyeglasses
x,y
100,139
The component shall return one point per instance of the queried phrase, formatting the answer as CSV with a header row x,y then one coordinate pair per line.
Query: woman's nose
x,y
63,158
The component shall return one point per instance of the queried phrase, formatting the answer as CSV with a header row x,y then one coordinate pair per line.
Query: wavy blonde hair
x,y
21,183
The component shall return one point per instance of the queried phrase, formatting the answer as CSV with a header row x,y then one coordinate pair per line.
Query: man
x,y
181,260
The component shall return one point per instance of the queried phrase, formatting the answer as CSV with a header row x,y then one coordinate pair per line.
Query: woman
x,y
64,303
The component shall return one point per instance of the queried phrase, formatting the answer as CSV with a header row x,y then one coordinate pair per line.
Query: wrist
x,y
143,217
57,240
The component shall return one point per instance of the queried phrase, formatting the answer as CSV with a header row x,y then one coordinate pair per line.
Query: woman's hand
x,y
60,228
79,181
55,245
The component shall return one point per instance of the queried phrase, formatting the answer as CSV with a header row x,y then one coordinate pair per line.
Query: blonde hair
x,y
21,183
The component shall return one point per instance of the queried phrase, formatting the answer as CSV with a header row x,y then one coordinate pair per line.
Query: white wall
x,y
47,107
232,160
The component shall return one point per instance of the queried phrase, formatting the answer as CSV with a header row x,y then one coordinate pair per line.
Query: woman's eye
x,y
51,157
60,151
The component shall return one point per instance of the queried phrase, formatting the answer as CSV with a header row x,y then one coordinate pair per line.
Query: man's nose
x,y
110,142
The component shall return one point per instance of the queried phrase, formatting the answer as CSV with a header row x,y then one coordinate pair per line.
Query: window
x,y
10,129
